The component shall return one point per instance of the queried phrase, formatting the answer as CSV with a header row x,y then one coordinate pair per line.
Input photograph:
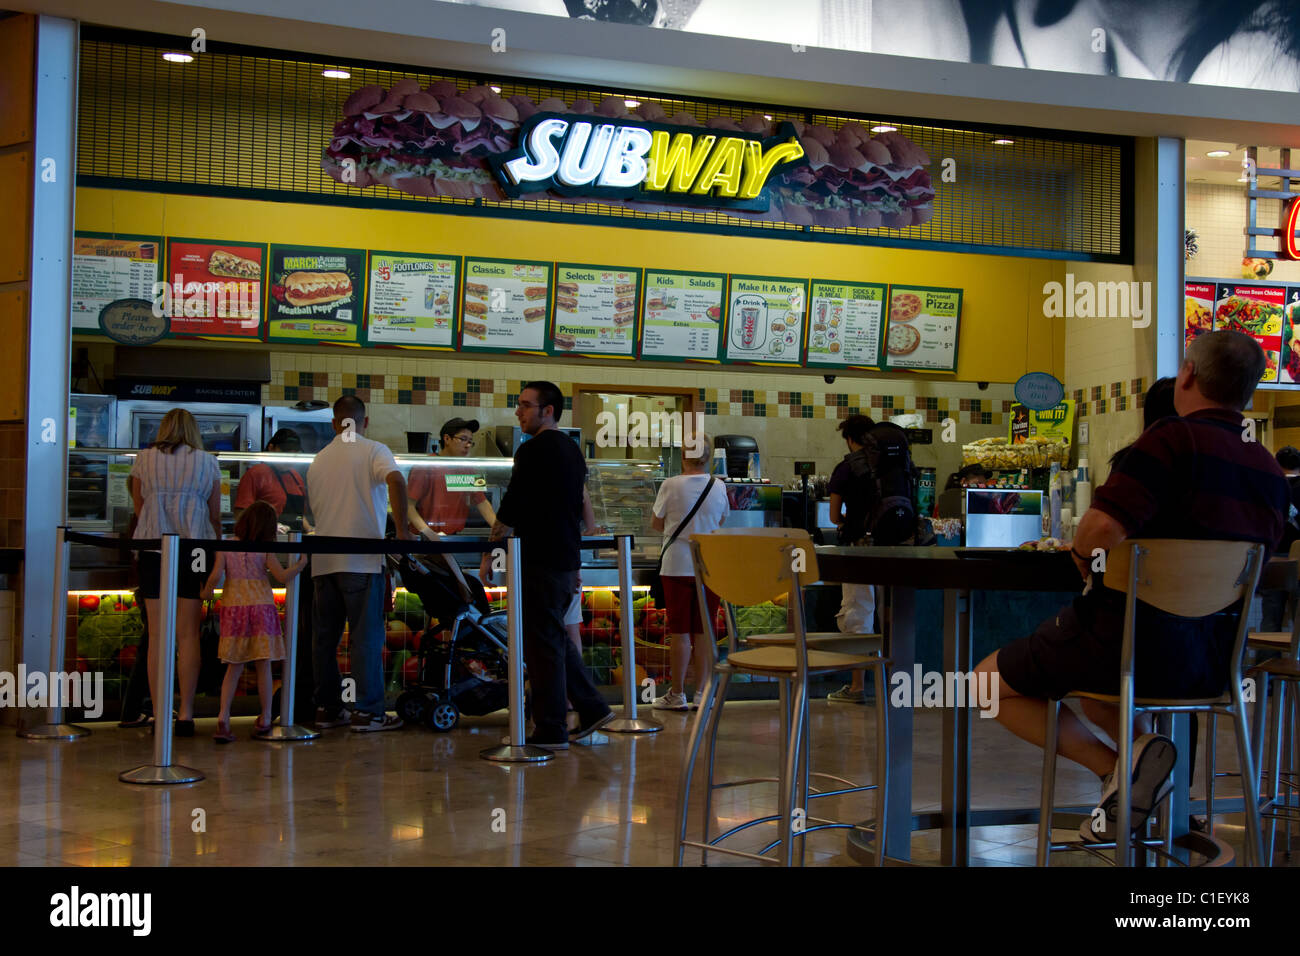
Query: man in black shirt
x,y
543,506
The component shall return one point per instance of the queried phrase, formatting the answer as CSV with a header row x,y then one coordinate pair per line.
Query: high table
x,y
903,571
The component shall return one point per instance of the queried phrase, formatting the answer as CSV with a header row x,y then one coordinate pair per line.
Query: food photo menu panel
x,y
765,320
1257,311
682,315
922,331
219,286
412,300
316,295
504,305
595,310
845,321
106,268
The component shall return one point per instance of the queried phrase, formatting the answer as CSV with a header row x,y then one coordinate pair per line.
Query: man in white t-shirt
x,y
350,485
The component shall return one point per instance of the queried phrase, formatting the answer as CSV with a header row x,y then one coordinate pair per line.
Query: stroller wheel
x,y
444,716
412,707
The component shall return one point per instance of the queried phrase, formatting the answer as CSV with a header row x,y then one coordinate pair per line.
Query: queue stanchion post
x,y
287,729
517,750
55,728
629,723
162,770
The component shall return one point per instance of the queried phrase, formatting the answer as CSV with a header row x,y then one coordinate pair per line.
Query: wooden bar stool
x,y
747,567
1189,579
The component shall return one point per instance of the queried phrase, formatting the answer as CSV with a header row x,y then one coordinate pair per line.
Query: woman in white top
x,y
176,489
677,496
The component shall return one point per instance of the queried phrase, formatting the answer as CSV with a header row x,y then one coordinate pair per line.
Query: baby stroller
x,y
468,674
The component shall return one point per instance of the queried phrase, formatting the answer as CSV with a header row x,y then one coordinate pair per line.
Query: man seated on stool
x,y
1195,477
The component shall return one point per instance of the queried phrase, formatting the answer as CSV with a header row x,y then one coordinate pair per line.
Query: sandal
x,y
260,728
223,734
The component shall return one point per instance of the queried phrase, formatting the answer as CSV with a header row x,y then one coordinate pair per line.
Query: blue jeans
x,y
357,599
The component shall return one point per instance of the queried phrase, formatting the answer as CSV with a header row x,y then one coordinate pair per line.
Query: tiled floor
x,y
420,798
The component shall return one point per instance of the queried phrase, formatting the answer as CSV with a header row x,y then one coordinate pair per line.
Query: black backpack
x,y
893,518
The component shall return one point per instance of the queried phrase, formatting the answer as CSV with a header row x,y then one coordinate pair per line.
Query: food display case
x,y
92,424
623,496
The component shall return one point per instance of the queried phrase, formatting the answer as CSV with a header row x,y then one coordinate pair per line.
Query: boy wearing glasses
x,y
434,510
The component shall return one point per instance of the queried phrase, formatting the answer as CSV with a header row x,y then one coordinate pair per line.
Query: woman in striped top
x,y
176,489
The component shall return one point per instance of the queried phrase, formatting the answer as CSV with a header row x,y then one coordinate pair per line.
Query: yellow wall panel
x,y
17,50
13,357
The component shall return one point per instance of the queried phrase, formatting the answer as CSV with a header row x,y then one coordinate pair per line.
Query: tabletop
x,y
933,568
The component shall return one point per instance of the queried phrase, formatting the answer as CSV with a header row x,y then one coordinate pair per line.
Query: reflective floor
x,y
414,797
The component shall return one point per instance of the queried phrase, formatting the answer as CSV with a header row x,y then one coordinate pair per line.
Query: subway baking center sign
x,y
696,166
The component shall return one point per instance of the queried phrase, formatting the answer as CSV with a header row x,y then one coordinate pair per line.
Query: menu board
x,y
1257,311
921,333
595,310
1290,372
1198,310
765,320
316,295
845,320
682,315
216,288
106,268
504,305
411,300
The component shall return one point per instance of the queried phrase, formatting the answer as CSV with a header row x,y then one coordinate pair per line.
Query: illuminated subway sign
x,y
1291,248
648,161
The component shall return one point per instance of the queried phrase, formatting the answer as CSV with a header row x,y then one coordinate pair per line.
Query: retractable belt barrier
x,y
172,547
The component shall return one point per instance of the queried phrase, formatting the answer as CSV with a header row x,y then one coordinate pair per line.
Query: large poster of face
x,y
1251,44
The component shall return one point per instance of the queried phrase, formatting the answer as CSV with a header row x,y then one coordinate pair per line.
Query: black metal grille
x,y
251,122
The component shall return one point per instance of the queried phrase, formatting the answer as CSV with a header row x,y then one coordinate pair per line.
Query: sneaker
x,y
363,723
547,744
671,701
587,728
697,700
1154,757
845,695
325,719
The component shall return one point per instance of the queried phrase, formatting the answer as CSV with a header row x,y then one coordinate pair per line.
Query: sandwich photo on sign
x,y
505,305
316,294
595,309
216,288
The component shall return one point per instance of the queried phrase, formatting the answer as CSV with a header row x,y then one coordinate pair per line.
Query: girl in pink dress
x,y
250,625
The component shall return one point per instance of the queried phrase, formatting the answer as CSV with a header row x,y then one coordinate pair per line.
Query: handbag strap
x,y
687,520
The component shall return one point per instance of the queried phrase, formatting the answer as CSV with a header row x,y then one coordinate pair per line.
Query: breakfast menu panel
x,y
595,310
765,320
216,288
682,315
921,333
505,305
316,295
412,300
108,268
845,320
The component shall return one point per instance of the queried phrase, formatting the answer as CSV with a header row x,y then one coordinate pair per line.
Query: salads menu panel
x,y
411,300
1290,370
316,295
595,310
845,321
106,268
505,305
1198,310
682,315
765,320
216,288
1257,311
921,333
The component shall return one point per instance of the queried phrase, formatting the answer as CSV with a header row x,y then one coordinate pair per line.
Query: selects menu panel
x,y
216,288
922,329
682,317
316,295
106,268
595,310
765,319
505,306
1198,310
845,320
1257,311
1290,353
411,300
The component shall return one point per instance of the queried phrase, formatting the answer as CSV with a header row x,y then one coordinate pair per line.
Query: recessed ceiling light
x,y
631,104
178,58
1004,142
336,74
1218,153
884,129
495,89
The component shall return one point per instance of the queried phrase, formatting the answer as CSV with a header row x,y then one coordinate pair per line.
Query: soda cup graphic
x,y
748,327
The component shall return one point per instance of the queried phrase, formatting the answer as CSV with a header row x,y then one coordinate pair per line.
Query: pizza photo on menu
x,y
902,340
904,307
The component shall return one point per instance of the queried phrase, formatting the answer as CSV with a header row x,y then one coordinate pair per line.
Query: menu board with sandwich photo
x,y
216,288
595,310
765,319
316,295
504,306
682,315
1198,310
106,268
1290,372
845,320
921,333
1257,311
411,300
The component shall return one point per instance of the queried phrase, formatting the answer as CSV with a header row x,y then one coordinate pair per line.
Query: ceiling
x,y
1227,170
